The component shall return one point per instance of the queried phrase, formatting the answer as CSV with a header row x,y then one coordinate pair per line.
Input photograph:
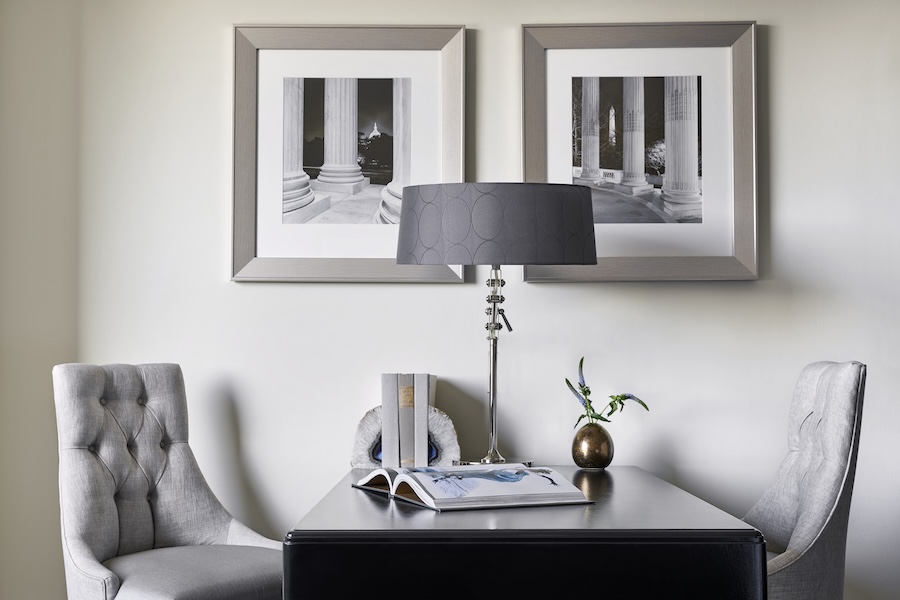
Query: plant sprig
x,y
583,394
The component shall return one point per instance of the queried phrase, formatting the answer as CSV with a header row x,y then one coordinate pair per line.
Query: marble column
x,y
296,192
341,171
634,177
590,130
392,194
681,182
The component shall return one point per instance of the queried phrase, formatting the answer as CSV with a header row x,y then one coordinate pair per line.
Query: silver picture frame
x,y
739,38
448,41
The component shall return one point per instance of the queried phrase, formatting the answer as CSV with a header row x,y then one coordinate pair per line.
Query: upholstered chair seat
x,y
138,519
803,515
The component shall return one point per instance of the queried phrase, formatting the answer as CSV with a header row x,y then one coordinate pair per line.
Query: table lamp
x,y
496,224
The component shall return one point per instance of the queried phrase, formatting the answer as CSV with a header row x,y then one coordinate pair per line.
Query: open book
x,y
473,486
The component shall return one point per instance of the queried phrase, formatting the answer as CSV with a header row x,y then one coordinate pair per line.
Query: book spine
x,y
424,397
390,421
406,403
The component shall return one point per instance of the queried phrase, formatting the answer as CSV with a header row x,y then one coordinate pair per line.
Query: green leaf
x,y
636,399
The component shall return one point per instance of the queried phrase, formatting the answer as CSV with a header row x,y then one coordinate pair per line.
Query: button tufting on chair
x,y
137,523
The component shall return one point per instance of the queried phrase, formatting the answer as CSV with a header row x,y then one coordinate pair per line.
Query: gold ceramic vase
x,y
592,447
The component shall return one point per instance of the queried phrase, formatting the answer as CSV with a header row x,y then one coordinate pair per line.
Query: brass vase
x,y
592,447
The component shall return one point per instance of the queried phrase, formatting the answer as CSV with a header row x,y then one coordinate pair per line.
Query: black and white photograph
x,y
346,150
636,142
659,121
330,124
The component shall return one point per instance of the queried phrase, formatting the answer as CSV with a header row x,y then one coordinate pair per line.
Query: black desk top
x,y
628,503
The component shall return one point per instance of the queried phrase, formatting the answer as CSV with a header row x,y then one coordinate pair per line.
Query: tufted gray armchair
x,y
138,519
803,514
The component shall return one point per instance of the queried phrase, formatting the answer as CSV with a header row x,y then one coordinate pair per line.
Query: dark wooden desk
x,y
642,538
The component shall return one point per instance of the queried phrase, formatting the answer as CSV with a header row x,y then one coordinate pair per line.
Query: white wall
x,y
279,374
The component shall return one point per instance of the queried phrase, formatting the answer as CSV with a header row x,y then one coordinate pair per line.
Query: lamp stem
x,y
495,283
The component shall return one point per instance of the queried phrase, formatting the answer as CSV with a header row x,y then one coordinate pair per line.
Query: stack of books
x,y
405,398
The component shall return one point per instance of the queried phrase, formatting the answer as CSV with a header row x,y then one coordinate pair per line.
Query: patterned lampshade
x,y
496,224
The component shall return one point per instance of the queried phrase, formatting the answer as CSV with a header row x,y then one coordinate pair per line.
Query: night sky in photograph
x,y
375,106
611,94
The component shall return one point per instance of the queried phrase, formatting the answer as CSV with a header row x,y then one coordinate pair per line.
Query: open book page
x,y
474,486
482,482
379,480
390,483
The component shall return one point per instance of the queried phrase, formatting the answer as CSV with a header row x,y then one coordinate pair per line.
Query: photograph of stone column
x,y
589,131
636,144
296,190
346,150
681,181
392,193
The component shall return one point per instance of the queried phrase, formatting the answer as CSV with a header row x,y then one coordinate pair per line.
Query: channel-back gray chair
x,y
138,519
803,515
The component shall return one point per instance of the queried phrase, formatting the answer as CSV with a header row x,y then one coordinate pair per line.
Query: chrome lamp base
x,y
492,457
495,283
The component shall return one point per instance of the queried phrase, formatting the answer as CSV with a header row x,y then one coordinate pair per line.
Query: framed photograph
x,y
659,121
330,123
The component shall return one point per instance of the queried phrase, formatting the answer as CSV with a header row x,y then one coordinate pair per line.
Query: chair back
x,y
804,513
128,480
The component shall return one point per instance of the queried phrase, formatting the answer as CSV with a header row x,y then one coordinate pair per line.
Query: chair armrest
x,y
86,578
782,561
241,535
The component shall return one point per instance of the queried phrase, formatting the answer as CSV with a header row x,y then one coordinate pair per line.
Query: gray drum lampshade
x,y
496,224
